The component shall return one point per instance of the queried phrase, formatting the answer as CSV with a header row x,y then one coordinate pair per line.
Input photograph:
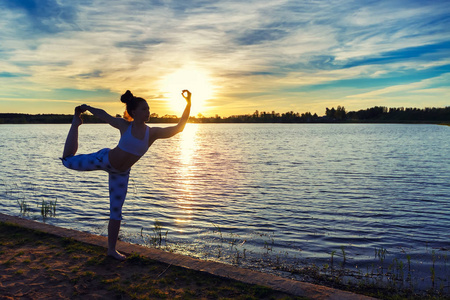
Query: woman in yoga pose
x,y
136,138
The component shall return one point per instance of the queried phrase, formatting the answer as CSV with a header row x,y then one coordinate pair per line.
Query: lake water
x,y
266,196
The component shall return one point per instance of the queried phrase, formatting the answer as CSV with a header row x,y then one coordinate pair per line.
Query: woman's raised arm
x,y
118,123
164,133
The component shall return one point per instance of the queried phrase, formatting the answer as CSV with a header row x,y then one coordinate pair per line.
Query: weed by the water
x,y
24,194
343,255
48,209
24,207
380,253
332,258
219,230
157,237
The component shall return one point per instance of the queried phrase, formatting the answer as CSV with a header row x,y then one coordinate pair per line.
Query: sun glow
x,y
196,80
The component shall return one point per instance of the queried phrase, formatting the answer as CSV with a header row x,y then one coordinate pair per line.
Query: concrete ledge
x,y
297,288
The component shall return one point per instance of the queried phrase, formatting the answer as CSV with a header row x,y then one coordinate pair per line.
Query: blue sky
x,y
235,56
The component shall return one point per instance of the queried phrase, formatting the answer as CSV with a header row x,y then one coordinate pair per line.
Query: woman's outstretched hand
x,y
187,96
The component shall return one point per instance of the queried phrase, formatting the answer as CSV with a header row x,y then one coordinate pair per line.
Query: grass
x,y
24,207
25,196
390,275
390,279
157,237
48,209
50,259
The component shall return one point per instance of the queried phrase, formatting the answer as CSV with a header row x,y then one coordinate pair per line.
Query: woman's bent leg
x,y
71,146
88,162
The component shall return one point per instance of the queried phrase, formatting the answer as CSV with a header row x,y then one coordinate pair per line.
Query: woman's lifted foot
x,y
117,255
77,117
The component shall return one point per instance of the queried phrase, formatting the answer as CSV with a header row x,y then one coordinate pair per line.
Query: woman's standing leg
x,y
71,146
118,186
113,234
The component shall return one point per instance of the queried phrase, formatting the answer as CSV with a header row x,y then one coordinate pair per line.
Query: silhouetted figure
x,y
136,138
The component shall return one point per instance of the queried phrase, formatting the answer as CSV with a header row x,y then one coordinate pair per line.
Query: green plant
x,y
380,253
343,255
433,276
400,268
332,257
233,240
237,256
24,207
48,209
157,237
269,247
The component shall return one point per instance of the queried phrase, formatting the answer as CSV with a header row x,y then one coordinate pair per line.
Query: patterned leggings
x,y
118,181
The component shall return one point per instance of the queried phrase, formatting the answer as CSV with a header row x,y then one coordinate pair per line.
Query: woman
x,y
136,138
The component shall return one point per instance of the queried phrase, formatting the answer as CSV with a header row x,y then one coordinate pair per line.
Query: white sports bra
x,y
130,144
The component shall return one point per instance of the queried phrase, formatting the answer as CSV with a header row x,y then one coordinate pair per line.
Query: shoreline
x,y
288,286
377,115
174,121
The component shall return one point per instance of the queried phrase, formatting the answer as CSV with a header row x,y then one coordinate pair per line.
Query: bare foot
x,y
77,117
117,255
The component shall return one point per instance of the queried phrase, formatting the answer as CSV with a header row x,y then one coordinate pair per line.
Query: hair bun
x,y
127,97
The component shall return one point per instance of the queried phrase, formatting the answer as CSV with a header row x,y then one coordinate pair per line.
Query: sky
x,y
234,56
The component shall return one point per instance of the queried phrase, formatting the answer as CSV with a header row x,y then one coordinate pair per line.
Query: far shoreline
x,y
25,119
376,115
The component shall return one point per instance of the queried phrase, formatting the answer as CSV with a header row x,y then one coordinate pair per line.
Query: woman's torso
x,y
122,160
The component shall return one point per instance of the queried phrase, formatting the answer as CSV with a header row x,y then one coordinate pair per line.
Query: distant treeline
x,y
377,114
384,114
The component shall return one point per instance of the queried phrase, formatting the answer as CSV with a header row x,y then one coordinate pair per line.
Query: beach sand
x,y
40,261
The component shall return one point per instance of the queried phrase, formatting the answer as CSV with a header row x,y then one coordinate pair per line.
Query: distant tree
x,y
330,113
340,113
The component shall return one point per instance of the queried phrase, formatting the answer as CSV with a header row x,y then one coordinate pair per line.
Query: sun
x,y
191,78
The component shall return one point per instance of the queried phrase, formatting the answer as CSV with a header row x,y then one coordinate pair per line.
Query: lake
x,y
272,197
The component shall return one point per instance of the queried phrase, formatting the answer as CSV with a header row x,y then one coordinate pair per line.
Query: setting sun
x,y
196,80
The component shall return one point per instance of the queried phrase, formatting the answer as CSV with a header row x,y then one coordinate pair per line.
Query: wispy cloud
x,y
276,55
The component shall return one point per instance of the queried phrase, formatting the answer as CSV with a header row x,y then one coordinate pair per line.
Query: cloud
x,y
419,86
257,52
422,53
258,36
49,16
11,75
